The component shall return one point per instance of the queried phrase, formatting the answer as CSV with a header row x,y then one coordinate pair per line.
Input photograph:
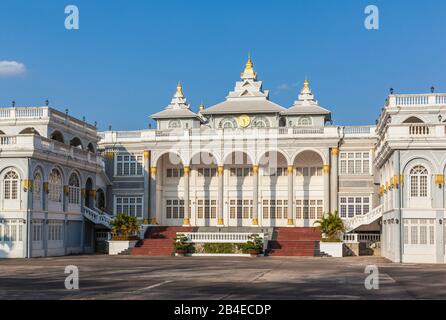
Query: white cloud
x,y
11,68
287,87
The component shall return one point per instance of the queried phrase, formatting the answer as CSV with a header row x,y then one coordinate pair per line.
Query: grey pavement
x,y
216,278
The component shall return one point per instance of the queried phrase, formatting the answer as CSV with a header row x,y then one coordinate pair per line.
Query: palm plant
x,y
331,226
124,226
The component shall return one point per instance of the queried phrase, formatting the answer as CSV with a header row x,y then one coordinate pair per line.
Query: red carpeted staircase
x,y
158,241
297,242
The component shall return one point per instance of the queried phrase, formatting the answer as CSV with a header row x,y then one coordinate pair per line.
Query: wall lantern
x,y
397,221
440,117
440,221
439,180
396,181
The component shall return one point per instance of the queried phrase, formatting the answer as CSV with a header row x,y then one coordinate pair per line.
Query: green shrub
x,y
219,248
255,244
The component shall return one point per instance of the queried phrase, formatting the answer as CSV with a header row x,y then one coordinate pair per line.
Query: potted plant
x,y
254,246
182,245
332,228
124,233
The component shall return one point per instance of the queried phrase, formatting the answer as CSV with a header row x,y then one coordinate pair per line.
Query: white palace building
x,y
246,162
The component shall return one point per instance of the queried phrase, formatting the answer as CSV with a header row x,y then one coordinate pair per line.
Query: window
x,y
174,173
11,230
419,231
129,165
37,230
354,163
419,182
207,209
207,172
228,124
174,124
240,209
175,209
241,172
11,185
309,172
275,209
261,122
309,209
305,122
55,186
132,206
354,206
74,190
37,189
55,230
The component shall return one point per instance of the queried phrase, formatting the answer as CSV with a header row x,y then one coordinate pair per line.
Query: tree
x,y
125,225
331,226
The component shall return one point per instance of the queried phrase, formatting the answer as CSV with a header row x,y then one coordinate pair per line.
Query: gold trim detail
x,y
146,154
186,222
326,168
221,222
220,171
255,222
66,189
46,187
27,185
109,155
290,222
255,169
396,181
186,170
335,152
153,171
439,179
290,169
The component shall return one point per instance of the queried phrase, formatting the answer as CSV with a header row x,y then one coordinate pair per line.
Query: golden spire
x,y
306,84
201,107
180,88
249,68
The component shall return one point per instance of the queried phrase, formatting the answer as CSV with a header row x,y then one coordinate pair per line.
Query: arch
x,y
296,155
272,161
89,187
174,124
100,199
30,130
228,123
261,122
305,121
77,143
174,159
55,184
57,136
208,158
247,157
417,160
275,150
74,189
413,119
91,148
11,184
37,188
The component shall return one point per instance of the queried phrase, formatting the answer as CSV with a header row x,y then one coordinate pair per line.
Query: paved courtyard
x,y
104,277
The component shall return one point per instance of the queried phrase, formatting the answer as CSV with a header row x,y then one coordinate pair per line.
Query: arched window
x,y
11,185
419,182
261,123
90,147
57,136
305,121
174,124
227,124
30,131
74,190
76,142
55,186
37,188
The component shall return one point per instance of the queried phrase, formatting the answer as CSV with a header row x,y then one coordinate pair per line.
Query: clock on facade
x,y
244,121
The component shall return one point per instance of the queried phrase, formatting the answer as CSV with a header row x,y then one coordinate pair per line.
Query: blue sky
x,y
126,59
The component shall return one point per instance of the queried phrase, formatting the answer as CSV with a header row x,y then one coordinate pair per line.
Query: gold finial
x,y
201,107
179,88
306,84
249,69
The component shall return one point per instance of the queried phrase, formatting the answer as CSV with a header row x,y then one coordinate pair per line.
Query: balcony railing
x,y
415,100
33,142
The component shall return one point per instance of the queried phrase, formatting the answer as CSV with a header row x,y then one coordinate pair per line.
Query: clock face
x,y
244,121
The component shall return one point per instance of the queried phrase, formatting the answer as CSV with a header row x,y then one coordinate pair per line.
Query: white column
x,y
255,195
334,179
326,172
220,201
186,221
290,216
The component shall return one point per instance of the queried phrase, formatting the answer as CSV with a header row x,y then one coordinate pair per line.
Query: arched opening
x,y
89,194
74,190
57,136
239,167
412,120
273,188
100,199
55,189
171,200
91,148
37,190
419,186
30,131
204,194
308,188
10,189
76,142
